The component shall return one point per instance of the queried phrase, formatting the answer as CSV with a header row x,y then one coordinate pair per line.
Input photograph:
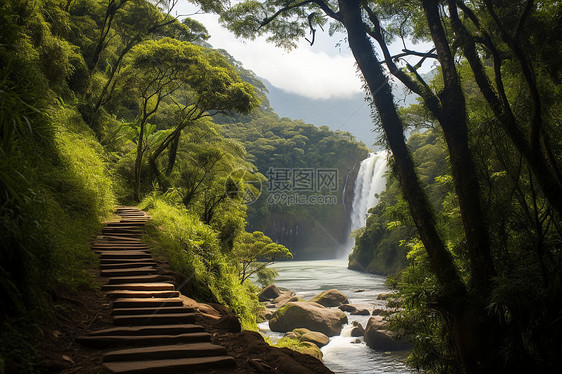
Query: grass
x,y
62,193
193,249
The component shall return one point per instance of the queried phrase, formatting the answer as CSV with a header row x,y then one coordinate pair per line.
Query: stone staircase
x,y
154,332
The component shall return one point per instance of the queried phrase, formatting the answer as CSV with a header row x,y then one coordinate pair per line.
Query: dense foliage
x,y
482,291
117,101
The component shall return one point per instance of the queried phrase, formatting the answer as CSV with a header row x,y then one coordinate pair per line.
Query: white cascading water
x,y
370,181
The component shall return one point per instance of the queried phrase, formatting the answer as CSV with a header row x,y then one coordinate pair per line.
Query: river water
x,y
343,354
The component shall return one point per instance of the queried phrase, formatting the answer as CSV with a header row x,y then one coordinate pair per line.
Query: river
x,y
342,354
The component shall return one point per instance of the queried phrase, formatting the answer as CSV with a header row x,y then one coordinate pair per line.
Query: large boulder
x,y
361,312
269,293
309,315
264,358
284,298
380,339
305,335
330,298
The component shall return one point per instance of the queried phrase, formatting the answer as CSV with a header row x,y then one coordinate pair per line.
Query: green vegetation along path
x,y
154,332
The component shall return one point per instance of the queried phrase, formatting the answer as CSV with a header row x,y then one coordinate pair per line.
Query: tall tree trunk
x,y
453,120
544,167
440,258
173,151
471,331
138,163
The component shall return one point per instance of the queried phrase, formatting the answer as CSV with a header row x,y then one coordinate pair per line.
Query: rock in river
x,y
305,335
269,293
330,298
380,339
312,316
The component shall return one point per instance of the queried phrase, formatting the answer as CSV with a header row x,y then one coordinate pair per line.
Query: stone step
x,y
148,330
133,225
165,352
147,302
129,265
150,311
107,341
119,227
180,365
129,210
122,223
104,261
140,279
118,247
156,286
153,319
127,272
122,248
122,228
124,254
138,217
141,294
99,252
110,238
124,237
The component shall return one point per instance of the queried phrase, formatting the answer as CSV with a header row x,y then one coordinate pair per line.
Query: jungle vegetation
x,y
482,290
110,102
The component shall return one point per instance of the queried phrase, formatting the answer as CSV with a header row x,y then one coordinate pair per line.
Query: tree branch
x,y
269,19
523,18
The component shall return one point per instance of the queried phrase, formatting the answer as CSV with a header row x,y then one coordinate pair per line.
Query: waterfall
x,y
370,181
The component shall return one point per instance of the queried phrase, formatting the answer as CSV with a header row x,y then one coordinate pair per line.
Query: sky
x,y
321,71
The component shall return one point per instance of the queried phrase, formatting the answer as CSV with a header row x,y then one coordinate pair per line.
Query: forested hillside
x,y
118,102
317,226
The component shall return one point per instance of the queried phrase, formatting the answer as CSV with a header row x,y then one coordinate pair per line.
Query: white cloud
x,y
306,71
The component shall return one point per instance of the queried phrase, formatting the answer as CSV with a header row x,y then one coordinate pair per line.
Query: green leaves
x,y
254,251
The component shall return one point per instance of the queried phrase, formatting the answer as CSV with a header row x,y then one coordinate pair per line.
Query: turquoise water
x,y
342,354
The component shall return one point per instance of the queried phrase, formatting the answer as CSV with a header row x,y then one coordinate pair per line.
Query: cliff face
x,y
316,229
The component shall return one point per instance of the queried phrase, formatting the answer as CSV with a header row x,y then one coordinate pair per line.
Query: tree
x,y
474,333
157,70
255,251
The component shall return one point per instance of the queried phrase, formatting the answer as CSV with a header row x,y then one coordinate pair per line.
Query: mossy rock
x,y
305,335
304,347
330,298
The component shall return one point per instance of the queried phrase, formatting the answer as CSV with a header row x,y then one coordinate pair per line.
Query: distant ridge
x,y
346,114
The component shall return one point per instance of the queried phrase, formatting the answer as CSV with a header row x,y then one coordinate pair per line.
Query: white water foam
x,y
370,182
